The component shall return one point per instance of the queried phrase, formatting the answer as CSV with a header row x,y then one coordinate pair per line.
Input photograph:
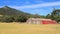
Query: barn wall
x,y
40,21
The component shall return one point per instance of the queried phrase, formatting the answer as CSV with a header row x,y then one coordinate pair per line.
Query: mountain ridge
x,y
11,11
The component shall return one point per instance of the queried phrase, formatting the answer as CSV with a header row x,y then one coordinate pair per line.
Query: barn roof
x,y
38,19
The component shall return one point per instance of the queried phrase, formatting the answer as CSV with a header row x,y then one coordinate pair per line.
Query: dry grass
x,y
15,28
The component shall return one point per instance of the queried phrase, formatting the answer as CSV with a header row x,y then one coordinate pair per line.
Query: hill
x,y
11,11
14,12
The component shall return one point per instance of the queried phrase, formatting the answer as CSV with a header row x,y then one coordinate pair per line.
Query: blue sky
x,y
41,7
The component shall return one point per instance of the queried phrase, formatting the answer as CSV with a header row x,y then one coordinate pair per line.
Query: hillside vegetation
x,y
11,11
14,15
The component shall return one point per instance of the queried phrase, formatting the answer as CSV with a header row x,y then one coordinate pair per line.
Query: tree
x,y
48,16
56,15
7,19
36,16
21,18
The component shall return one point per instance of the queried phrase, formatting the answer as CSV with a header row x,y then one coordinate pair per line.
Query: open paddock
x,y
16,28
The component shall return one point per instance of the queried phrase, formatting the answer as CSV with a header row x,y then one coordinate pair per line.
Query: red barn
x,y
41,21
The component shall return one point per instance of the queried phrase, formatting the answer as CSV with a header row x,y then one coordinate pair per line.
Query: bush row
x,y
13,18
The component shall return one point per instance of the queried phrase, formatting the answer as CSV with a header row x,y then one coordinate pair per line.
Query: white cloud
x,y
39,5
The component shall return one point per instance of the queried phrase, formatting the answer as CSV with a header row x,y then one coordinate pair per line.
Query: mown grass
x,y
16,28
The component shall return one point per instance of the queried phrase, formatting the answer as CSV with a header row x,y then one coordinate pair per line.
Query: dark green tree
x,y
6,19
48,16
56,15
21,18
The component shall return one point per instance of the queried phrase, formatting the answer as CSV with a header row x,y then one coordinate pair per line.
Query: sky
x,y
41,7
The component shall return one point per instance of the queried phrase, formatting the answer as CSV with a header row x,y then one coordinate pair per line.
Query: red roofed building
x,y
40,21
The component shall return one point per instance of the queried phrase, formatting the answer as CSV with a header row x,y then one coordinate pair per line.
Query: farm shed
x,y
40,21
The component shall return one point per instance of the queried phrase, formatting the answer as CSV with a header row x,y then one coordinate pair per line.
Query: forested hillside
x,y
10,14
11,11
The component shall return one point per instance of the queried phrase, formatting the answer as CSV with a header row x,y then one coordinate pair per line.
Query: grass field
x,y
15,28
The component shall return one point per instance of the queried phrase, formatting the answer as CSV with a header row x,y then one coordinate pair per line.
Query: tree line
x,y
13,18
17,18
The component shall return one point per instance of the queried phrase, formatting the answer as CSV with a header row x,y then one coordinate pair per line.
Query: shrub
x,y
6,19
21,18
